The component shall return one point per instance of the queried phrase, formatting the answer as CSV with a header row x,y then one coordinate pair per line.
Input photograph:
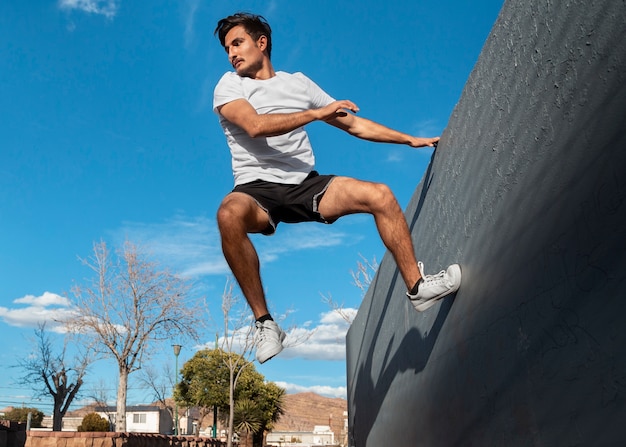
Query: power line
x,y
99,388
41,406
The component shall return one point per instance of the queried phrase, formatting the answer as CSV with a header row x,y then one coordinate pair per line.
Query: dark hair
x,y
255,25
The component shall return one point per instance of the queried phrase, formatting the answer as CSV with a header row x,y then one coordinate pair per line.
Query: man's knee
x,y
240,213
382,195
229,213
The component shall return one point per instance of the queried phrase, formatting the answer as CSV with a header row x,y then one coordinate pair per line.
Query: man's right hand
x,y
336,109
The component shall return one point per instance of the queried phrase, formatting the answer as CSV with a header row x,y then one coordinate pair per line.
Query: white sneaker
x,y
434,287
268,339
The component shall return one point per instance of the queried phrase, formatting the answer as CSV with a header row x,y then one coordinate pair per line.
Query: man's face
x,y
244,54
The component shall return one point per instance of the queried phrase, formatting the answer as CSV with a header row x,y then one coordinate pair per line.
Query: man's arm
x,y
372,131
241,113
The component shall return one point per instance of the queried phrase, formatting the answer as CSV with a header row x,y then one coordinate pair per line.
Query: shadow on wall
x,y
409,356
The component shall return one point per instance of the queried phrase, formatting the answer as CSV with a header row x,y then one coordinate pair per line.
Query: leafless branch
x,y
128,306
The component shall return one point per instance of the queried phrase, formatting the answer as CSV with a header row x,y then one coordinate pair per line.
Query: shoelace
x,y
260,333
431,279
439,278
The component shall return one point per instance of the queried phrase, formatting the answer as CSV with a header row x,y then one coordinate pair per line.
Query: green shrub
x,y
21,415
93,422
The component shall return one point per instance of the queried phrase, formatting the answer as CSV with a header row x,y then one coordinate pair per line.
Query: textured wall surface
x,y
527,191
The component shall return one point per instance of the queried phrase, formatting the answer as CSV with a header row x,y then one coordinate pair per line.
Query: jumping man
x,y
263,113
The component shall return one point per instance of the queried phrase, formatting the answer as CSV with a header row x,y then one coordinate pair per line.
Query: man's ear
x,y
261,42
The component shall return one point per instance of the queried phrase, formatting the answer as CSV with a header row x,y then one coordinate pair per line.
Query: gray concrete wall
x,y
527,191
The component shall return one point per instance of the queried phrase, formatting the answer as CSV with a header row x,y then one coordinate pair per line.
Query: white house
x,y
139,419
320,436
142,418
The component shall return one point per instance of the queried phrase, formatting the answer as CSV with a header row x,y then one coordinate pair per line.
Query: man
x,y
263,113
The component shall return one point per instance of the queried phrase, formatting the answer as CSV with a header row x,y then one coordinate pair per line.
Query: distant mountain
x,y
305,410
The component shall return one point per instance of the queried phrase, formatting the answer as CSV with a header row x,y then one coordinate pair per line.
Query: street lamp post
x,y
176,352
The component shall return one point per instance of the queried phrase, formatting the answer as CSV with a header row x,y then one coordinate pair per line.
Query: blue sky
x,y
107,133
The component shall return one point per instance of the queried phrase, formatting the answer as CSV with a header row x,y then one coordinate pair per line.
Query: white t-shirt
x,y
284,158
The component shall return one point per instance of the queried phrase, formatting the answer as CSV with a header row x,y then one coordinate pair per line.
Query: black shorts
x,y
289,203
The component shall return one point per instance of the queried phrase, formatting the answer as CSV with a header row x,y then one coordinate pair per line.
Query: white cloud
x,y
270,8
426,128
47,299
190,9
107,8
192,245
47,308
324,341
395,156
304,236
323,390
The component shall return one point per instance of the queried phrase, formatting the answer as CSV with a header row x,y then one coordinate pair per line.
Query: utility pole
x,y
176,352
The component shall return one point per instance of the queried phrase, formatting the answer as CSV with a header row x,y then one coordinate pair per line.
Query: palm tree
x,y
247,421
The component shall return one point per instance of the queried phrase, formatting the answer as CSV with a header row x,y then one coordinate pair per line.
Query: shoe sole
x,y
456,273
274,352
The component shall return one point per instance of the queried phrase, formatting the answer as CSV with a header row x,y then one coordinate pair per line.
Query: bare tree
x,y
160,385
128,307
364,274
238,337
338,308
53,375
361,278
100,395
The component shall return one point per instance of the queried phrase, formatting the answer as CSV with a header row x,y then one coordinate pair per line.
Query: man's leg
x,y
349,196
237,216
